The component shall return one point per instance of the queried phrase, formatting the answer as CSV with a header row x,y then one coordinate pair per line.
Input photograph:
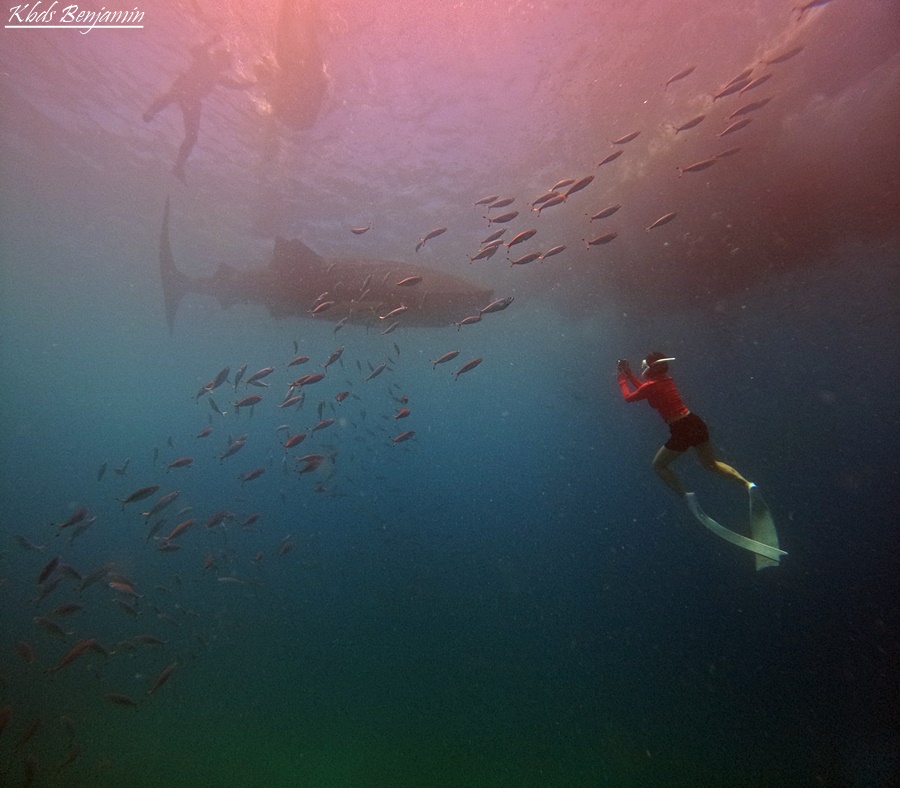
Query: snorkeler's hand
x,y
623,367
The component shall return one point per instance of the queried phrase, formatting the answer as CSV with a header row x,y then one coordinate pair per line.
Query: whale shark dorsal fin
x,y
294,254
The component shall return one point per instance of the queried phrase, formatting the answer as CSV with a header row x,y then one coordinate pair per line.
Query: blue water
x,y
511,597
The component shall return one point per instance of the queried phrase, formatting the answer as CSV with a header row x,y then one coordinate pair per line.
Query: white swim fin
x,y
766,551
762,526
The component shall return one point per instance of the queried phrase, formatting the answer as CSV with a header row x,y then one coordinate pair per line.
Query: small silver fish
x,y
495,306
680,75
554,251
606,212
611,157
697,166
736,126
429,235
601,239
695,121
503,218
445,358
626,138
661,221
528,258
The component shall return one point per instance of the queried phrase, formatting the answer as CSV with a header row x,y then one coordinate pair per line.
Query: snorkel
x,y
650,367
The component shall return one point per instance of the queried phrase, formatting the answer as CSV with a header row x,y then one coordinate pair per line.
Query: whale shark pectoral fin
x,y
773,554
762,526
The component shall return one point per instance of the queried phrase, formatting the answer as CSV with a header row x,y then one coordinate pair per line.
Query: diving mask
x,y
645,367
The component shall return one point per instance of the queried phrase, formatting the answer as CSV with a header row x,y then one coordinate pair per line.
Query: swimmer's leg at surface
x,y
158,104
191,111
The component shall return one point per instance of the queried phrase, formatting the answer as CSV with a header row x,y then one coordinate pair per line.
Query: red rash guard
x,y
660,392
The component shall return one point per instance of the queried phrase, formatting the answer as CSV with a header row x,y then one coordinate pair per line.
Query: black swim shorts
x,y
687,432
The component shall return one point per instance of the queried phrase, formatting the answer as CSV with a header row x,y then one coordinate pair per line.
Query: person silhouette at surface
x,y
686,429
207,70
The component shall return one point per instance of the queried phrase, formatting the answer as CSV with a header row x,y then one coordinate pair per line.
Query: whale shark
x,y
298,282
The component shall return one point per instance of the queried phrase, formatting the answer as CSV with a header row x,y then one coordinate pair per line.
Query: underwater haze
x,y
463,574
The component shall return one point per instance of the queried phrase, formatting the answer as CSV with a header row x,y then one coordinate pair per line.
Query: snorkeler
x,y
205,72
687,430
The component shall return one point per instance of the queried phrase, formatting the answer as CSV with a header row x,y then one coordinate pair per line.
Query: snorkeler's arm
x,y
641,392
634,381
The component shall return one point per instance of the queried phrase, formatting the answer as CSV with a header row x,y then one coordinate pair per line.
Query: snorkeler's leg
x,y
661,462
158,104
707,456
191,112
